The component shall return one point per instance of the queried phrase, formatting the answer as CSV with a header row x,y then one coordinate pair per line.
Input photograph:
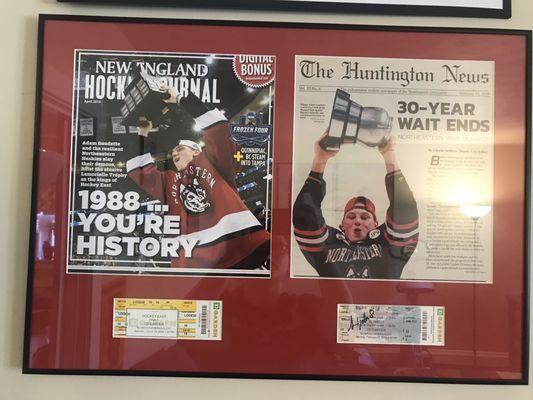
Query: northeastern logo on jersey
x,y
356,253
355,271
194,198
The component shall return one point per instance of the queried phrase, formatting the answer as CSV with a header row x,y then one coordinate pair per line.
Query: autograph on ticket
x,y
390,324
167,319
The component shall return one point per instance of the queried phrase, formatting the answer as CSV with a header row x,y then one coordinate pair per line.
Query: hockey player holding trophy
x,y
200,184
360,247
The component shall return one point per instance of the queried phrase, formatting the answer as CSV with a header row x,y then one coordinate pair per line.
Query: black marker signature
x,y
360,322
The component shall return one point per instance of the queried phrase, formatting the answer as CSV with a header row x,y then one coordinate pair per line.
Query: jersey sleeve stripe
x,y
402,235
311,249
393,173
311,234
139,162
317,240
312,178
400,243
210,118
397,226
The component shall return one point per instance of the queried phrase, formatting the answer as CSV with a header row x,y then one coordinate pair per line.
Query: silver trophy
x,y
144,100
350,122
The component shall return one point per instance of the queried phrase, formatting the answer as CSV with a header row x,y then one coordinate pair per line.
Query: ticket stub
x,y
167,319
390,324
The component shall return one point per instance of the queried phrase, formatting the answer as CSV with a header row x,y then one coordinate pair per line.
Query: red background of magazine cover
x,y
282,325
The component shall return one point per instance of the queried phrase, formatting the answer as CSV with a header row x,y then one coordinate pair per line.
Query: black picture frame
x,y
33,285
504,12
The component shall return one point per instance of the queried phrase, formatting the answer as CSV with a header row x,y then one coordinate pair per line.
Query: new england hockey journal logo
x,y
251,131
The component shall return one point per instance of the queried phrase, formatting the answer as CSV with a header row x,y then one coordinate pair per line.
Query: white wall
x,y
18,33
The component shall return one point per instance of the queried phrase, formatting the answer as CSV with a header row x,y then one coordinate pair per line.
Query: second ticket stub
x,y
167,319
390,324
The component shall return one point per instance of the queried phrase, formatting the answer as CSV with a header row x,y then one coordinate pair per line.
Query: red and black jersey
x,y
381,255
204,196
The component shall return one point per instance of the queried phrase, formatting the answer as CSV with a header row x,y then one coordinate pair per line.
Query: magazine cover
x,y
171,164
393,169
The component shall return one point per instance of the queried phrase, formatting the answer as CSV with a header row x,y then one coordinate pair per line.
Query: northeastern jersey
x,y
212,214
381,255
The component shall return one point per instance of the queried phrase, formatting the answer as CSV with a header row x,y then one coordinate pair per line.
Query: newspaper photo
x,y
393,169
171,161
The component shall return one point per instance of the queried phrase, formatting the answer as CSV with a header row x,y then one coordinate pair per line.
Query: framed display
x,y
453,8
216,198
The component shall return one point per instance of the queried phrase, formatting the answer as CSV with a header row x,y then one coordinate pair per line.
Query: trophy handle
x,y
337,122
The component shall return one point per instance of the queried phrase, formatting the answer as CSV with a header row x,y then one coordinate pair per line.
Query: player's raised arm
x,y
321,156
402,214
202,115
142,170
387,151
310,228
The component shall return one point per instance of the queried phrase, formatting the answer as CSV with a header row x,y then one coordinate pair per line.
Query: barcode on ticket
x,y
203,320
390,324
167,319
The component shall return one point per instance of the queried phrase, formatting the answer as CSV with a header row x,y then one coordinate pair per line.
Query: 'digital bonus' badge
x,y
254,71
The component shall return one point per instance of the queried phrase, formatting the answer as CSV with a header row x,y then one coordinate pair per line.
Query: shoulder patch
x,y
374,233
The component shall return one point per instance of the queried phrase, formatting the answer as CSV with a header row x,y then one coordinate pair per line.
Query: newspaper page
x,y
393,169
171,161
